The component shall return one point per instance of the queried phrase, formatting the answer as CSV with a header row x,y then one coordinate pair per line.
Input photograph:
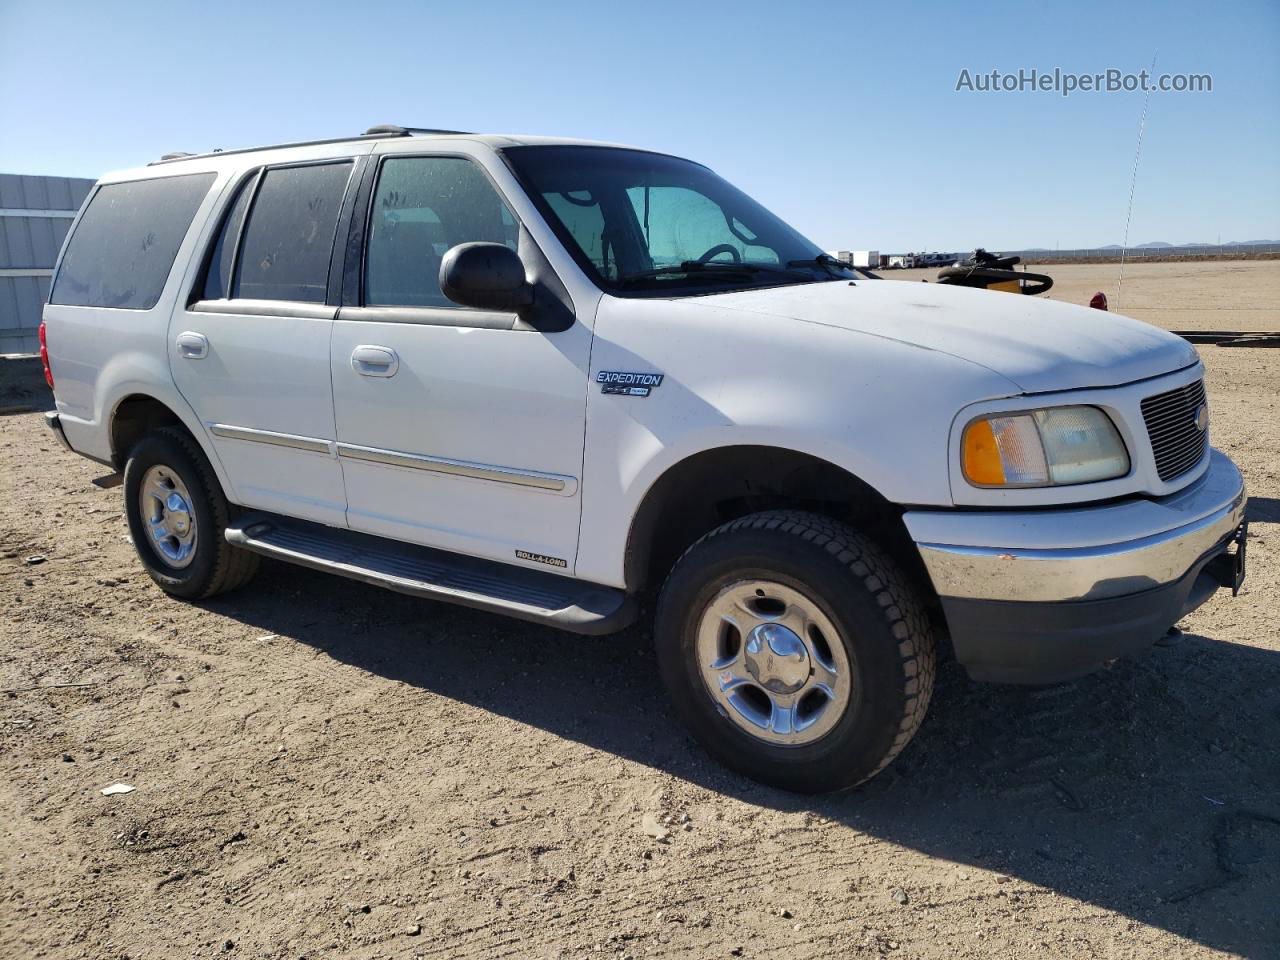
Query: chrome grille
x,y
1177,442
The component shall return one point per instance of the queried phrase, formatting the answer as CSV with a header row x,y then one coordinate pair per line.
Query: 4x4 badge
x,y
628,384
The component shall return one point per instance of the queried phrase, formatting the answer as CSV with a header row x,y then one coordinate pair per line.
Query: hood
x,y
1041,345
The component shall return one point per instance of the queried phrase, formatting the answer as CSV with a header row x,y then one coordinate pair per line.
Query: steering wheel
x,y
718,249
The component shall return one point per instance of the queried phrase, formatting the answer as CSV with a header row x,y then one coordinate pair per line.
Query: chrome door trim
x,y
549,482
432,317
311,444
266,308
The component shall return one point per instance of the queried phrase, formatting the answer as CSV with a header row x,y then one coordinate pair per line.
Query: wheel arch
x,y
697,494
135,414
133,417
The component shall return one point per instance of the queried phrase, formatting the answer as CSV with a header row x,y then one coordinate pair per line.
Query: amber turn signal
x,y
982,462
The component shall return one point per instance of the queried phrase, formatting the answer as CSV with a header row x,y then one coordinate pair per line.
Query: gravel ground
x,y
1186,295
325,769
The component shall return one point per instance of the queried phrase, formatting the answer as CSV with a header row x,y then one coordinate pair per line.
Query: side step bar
x,y
532,595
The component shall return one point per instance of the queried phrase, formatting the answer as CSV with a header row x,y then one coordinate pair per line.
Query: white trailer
x,y
856,258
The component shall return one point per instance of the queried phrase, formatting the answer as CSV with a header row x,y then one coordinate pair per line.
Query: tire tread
x,y
233,567
907,619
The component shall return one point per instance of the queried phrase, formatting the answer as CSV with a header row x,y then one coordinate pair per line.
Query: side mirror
x,y
487,276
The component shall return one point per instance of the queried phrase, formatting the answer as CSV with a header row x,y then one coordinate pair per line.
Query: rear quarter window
x,y
125,243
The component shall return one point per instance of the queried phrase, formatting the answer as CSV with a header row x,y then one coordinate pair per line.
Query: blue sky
x,y
842,118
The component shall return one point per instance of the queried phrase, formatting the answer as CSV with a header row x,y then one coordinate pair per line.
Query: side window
x,y
126,242
287,244
217,282
423,206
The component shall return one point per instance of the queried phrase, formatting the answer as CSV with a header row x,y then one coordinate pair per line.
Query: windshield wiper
x,y
716,268
824,260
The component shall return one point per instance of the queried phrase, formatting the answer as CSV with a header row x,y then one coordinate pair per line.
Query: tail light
x,y
44,357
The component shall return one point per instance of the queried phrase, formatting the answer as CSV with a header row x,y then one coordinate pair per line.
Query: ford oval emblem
x,y
1202,418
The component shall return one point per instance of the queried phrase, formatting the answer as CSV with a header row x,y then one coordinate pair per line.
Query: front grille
x,y
1177,442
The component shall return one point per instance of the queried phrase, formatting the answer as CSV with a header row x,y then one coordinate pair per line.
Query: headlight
x,y
1041,448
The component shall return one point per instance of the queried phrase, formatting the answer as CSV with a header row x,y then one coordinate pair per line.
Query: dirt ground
x,y
324,769
1194,295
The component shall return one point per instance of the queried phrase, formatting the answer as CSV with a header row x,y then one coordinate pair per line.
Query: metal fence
x,y
35,213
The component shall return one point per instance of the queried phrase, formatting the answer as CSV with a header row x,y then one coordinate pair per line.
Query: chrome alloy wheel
x,y
165,507
773,663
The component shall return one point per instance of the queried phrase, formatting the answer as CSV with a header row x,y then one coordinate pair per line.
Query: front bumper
x,y
1045,595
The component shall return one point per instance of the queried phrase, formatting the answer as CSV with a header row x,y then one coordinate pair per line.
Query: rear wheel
x,y
795,650
177,513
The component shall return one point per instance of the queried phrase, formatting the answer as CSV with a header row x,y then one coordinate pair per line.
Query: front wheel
x,y
795,650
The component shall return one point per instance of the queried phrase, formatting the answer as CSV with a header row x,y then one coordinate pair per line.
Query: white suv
x,y
549,378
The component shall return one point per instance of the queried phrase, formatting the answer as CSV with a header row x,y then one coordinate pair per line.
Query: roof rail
x,y
373,133
395,130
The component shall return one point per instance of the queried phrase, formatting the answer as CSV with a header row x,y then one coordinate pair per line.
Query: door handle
x,y
193,346
373,361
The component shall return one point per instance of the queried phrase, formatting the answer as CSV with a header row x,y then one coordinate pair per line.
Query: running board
x,y
556,601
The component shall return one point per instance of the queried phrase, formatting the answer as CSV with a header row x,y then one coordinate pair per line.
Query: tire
x,y
169,460
810,572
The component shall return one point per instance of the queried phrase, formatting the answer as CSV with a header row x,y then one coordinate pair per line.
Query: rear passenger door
x,y
250,348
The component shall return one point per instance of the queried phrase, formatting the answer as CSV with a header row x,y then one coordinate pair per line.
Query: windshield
x,y
644,223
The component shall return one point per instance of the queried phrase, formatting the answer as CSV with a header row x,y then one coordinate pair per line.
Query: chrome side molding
x,y
311,444
546,482
550,482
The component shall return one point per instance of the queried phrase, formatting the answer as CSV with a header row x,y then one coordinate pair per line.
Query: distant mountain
x,y
1157,244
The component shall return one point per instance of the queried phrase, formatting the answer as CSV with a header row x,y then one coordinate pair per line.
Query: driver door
x,y
457,428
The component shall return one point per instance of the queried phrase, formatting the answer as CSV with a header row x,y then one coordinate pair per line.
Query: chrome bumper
x,y
1079,553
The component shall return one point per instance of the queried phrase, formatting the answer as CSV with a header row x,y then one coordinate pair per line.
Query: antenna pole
x,y
1133,182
